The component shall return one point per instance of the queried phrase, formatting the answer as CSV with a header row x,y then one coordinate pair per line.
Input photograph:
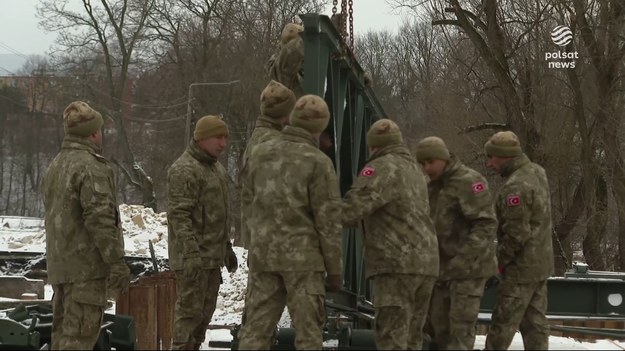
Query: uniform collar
x,y
78,143
514,164
452,167
298,134
396,149
268,122
194,150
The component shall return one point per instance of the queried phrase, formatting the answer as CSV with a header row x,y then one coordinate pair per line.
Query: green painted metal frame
x,y
340,79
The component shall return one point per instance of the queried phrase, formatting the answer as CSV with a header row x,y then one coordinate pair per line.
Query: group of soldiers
x,y
430,247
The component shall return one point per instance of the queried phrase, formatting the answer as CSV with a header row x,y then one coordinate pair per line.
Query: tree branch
x,y
484,126
126,173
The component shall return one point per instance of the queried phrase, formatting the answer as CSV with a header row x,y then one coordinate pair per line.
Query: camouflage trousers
x,y
304,295
77,314
196,299
523,307
454,308
401,304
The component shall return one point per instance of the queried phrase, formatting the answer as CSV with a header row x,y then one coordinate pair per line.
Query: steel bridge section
x,y
335,75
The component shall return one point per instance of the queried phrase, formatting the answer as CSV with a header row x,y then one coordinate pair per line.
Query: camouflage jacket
x,y
287,66
390,194
523,206
83,232
462,209
265,129
198,212
294,212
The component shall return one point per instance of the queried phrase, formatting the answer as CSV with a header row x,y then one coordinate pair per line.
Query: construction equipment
x,y
29,327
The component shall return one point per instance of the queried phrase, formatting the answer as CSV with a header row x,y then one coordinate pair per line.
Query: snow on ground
x,y
140,225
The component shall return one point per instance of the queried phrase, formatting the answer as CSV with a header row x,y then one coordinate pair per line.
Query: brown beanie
x,y
503,144
432,148
290,32
383,133
276,100
81,120
210,126
311,113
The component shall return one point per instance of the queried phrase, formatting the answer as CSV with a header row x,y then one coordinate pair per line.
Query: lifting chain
x,y
351,26
344,23
334,2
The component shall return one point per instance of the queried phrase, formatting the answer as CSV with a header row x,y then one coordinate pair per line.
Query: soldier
x,y
461,207
296,227
198,228
287,64
84,243
524,250
401,252
276,104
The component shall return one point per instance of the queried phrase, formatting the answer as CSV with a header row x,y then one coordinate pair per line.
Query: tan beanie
x,y
383,133
290,32
432,148
276,100
210,126
81,120
503,144
311,113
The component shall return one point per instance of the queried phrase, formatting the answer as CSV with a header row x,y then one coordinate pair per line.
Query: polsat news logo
x,y
561,36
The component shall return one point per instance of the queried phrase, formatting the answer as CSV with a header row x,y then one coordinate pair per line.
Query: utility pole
x,y
187,131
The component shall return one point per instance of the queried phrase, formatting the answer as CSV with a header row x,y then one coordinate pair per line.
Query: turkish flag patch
x,y
513,200
367,171
478,187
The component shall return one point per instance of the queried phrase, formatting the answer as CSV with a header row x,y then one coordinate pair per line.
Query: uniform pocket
x,y
91,292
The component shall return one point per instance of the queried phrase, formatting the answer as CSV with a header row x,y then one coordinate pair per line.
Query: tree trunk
x,y
597,218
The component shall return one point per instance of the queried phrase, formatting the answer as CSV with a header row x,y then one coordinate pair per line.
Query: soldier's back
x,y
282,226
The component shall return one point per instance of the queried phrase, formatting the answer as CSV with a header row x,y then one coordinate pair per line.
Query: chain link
x,y
351,25
334,3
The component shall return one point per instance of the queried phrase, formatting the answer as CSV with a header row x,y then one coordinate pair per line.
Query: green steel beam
x,y
568,296
338,78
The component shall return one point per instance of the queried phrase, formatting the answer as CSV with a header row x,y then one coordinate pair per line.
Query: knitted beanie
x,y
210,126
384,132
503,144
432,148
276,100
81,120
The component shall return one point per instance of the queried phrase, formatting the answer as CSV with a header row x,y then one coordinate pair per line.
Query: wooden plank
x,y
142,304
166,306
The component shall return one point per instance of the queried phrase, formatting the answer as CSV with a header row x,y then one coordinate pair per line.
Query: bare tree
x,y
112,30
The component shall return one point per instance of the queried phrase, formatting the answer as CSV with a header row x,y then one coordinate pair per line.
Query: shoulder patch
x,y
513,200
368,171
478,187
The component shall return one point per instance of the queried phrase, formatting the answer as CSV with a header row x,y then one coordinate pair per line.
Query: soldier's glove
x,y
191,267
335,282
230,261
493,281
118,278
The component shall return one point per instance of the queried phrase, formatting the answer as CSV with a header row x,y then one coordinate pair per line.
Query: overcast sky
x,y
20,32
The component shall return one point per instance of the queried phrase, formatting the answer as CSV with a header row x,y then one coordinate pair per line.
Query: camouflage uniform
x,y
198,229
277,101
84,243
401,254
287,64
295,237
462,209
525,255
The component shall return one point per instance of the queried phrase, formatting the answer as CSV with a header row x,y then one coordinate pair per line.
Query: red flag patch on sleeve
x,y
367,171
513,200
478,187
